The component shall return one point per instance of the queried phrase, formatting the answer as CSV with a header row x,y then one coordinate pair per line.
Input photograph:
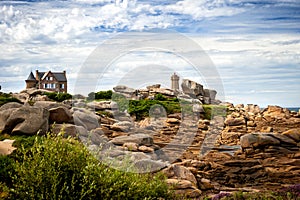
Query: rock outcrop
x,y
26,120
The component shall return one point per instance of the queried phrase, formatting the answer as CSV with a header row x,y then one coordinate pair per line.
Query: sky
x,y
246,49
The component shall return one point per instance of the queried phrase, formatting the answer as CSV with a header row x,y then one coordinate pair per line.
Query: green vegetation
x,y
104,95
58,96
214,110
6,98
58,168
140,108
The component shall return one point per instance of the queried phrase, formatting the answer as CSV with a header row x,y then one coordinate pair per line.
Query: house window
x,y
62,86
49,78
50,86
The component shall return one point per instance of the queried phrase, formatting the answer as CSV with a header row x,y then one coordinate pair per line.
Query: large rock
x,y
258,140
100,105
60,115
284,139
85,118
121,126
180,172
148,165
150,87
251,108
163,91
293,134
50,104
10,105
276,112
179,184
140,139
27,120
124,90
6,147
69,130
211,94
192,88
230,121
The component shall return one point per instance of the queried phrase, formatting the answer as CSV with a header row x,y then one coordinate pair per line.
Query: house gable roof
x,y
59,76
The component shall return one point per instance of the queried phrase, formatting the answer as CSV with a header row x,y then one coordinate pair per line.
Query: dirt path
x,y
6,147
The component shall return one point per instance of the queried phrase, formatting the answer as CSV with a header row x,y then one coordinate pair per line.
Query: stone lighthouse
x,y
175,82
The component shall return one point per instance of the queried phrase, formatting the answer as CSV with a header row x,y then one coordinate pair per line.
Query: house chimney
x,y
37,75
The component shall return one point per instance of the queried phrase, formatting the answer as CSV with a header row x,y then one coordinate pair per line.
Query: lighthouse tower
x,y
175,82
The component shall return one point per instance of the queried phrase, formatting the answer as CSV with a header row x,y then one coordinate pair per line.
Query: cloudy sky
x,y
252,47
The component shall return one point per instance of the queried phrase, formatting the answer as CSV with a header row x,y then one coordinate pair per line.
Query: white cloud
x,y
56,35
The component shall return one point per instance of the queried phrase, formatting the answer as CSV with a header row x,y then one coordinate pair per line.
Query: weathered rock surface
x,y
258,139
26,120
10,105
6,147
60,115
86,119
293,134
192,88
122,126
149,165
140,139
50,105
69,130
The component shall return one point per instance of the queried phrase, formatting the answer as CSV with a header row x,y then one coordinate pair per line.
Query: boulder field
x,y
249,150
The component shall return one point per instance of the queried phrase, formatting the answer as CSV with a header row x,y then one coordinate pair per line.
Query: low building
x,y
52,81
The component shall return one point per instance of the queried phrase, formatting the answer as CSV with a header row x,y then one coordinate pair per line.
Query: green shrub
x,y
214,110
58,96
57,168
103,94
4,191
160,97
6,169
6,98
141,108
23,141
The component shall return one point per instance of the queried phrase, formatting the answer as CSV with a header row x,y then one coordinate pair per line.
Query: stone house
x,y
52,81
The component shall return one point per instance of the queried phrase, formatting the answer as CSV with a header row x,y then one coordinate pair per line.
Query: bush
x,y
214,110
58,96
6,169
103,94
141,108
6,98
160,97
23,141
57,168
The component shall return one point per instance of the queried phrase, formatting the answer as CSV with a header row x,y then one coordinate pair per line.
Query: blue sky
x,y
254,45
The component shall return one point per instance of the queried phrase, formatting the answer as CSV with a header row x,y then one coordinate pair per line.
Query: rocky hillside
x,y
249,149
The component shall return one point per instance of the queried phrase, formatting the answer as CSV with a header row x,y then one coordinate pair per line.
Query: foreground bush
x,y
57,168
